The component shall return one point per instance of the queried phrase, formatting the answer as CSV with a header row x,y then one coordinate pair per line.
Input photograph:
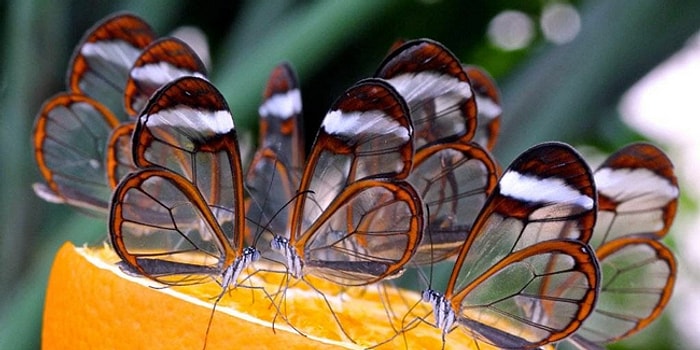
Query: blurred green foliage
x,y
566,92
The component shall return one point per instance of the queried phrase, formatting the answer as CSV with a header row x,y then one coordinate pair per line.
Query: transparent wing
x,y
366,134
355,220
638,278
180,217
488,105
163,228
453,175
101,62
561,276
454,180
188,129
638,194
546,193
118,159
488,99
161,62
436,89
368,233
275,172
524,276
69,137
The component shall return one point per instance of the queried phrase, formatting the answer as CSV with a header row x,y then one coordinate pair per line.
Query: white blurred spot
x,y
665,105
511,30
560,23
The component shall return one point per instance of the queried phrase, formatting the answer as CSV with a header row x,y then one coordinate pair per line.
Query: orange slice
x,y
91,303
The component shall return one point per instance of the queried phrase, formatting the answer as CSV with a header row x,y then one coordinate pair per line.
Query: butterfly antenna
x,y
266,227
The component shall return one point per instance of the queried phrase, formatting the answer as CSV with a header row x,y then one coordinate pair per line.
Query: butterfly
x,y
524,277
179,218
339,226
638,197
81,137
274,174
455,110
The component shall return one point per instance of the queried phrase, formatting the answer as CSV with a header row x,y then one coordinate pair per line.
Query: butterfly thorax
x,y
231,273
293,260
442,310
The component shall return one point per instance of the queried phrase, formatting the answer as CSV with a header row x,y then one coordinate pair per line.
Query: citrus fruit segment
x,y
91,303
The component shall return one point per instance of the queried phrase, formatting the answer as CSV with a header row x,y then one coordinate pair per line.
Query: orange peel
x,y
91,303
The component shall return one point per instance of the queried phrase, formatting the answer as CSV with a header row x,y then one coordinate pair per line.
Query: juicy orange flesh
x,y
90,303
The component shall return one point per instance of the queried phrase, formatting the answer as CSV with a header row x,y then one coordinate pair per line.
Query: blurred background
x,y
596,74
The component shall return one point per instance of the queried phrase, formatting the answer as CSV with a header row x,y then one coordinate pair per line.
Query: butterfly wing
x,y
525,277
357,221
69,138
101,62
436,88
366,234
453,175
119,161
161,62
488,104
77,136
454,180
638,278
366,134
638,194
180,217
275,172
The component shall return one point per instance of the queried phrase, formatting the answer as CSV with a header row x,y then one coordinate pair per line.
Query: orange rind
x,y
91,303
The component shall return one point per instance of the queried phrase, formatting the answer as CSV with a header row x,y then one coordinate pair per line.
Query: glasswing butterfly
x,y
638,197
455,111
179,218
329,218
526,251
81,137
352,201
274,174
